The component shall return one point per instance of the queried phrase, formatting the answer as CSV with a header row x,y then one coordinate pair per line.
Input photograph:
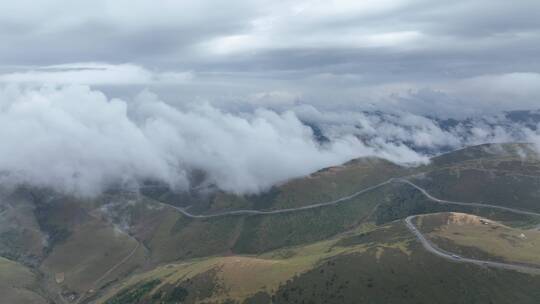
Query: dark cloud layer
x,y
327,51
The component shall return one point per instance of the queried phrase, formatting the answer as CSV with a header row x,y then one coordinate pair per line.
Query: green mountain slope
x,y
141,249
18,284
371,265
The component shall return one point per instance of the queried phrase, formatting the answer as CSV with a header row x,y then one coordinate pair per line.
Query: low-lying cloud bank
x,y
74,139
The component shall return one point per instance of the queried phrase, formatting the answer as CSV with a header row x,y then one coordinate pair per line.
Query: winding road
x,y
277,211
120,263
479,205
108,272
343,199
428,245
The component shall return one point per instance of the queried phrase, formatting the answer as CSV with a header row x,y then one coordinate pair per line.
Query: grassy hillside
x,y
18,284
21,237
333,183
170,236
498,176
392,276
89,253
372,265
67,241
478,237
402,200
322,186
521,151
228,239
86,248
225,276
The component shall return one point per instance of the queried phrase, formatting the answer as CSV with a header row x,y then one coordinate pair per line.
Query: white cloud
x,y
487,94
74,139
336,51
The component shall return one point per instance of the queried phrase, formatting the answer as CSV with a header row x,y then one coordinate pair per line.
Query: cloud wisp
x,y
92,73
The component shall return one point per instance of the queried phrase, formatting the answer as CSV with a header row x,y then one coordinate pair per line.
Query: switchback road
x,y
428,245
343,199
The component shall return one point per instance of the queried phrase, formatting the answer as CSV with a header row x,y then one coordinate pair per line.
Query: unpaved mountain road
x,y
277,211
429,246
408,221
108,272
343,199
479,205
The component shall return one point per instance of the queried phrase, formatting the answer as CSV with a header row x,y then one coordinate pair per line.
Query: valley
x,y
127,247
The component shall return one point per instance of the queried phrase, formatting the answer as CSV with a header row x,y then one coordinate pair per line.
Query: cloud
x,y
509,85
73,139
76,140
96,74
417,55
424,135
372,127
463,98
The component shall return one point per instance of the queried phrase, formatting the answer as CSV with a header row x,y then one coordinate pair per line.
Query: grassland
x,y
474,236
18,284
169,236
229,273
392,276
21,237
175,237
322,186
369,265
219,259
89,252
507,179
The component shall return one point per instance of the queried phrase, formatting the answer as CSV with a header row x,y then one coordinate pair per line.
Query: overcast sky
x,y
121,91
437,57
